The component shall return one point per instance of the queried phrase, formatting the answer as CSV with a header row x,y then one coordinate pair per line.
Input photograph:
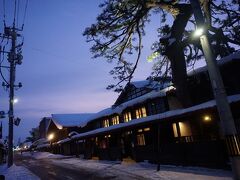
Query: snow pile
x,y
17,173
43,155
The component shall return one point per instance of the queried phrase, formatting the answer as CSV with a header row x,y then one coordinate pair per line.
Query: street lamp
x,y
198,32
227,122
15,100
50,137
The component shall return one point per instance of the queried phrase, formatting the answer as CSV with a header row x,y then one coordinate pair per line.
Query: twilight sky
x,y
57,73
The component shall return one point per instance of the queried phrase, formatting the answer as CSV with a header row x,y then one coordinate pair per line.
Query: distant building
x,y
43,125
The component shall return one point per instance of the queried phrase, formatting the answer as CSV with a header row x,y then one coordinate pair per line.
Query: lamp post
x,y
50,138
229,131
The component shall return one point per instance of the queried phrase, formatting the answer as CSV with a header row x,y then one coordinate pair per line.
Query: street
x,y
47,169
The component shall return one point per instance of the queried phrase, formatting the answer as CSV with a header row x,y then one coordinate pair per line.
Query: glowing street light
x,y
198,32
15,101
50,136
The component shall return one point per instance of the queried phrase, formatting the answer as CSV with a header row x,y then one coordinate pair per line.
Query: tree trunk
x,y
179,73
175,53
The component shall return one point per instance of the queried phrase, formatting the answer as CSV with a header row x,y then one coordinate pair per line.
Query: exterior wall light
x,y
207,118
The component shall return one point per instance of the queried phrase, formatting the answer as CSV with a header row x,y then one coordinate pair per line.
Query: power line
x,y
25,12
15,9
18,4
4,14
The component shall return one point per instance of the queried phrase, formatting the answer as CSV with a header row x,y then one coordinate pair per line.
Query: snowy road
x,y
47,169
52,166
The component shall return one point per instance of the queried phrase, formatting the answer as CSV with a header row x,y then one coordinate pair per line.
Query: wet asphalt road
x,y
46,170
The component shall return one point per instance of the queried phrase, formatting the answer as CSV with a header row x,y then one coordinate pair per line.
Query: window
x,y
135,92
140,140
157,106
183,131
141,112
145,129
115,120
105,123
127,117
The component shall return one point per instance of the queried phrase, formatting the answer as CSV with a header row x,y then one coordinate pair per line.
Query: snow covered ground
x,y
43,155
17,173
142,170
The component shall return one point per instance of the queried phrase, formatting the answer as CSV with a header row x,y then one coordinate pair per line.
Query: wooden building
x,y
147,122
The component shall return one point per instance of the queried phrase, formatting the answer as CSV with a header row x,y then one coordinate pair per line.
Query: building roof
x,y
71,120
123,106
40,142
232,57
161,83
156,117
159,89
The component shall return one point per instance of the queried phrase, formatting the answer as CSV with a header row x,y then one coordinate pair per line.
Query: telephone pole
x,y
14,58
11,58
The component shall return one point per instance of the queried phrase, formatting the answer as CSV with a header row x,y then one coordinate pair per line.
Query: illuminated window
x,y
115,120
141,112
174,125
184,129
105,123
145,129
127,117
141,140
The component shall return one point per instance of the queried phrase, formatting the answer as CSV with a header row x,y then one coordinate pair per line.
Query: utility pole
x,y
232,139
11,60
14,58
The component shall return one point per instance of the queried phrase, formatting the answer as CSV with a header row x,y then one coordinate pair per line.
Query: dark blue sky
x,y
57,73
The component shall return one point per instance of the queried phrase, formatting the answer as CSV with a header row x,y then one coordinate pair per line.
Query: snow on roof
x,y
224,60
156,117
39,141
43,145
71,120
121,107
152,84
140,84
63,141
